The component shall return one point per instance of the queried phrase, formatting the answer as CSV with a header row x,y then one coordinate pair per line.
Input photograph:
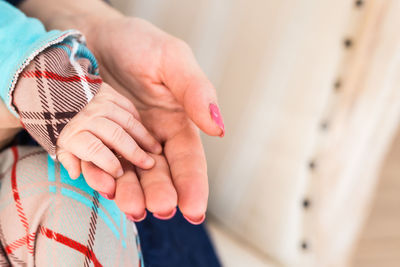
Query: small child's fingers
x,y
129,195
98,179
144,138
88,147
115,137
112,95
70,162
135,128
160,194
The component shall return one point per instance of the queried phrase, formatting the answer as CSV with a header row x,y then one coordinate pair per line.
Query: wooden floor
x,y
379,245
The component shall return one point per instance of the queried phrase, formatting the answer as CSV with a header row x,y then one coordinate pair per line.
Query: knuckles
x,y
131,122
118,135
94,148
178,45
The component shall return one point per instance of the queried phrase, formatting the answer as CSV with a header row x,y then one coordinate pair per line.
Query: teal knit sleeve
x,y
21,39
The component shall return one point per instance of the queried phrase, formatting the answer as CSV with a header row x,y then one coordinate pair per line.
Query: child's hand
x,y
110,122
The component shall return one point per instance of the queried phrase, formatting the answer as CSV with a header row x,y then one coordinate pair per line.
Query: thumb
x,y
190,86
70,162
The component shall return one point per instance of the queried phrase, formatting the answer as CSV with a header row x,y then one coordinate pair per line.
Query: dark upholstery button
x,y
337,85
312,164
324,125
306,203
304,245
359,3
348,43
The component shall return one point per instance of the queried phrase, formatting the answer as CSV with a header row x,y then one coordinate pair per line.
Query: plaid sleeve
x,y
53,88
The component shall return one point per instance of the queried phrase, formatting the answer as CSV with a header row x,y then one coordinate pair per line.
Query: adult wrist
x,y
85,16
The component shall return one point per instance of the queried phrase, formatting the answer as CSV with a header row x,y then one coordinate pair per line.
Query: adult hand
x,y
161,76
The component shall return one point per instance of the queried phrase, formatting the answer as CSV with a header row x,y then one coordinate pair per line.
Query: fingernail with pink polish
x,y
196,221
216,116
165,217
133,219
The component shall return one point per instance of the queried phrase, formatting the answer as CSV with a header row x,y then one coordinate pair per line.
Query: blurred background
x,y
308,173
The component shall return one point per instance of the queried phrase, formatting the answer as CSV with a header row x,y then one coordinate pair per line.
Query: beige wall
x,y
274,64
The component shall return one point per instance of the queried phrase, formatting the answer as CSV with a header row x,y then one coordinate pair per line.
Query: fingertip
x,y
71,163
216,116
201,105
106,195
196,220
192,212
160,198
148,162
115,166
73,174
192,200
157,149
165,216
139,218
193,209
98,179
119,172
212,129
207,116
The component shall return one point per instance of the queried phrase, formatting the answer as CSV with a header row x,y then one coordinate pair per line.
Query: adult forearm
x,y
70,14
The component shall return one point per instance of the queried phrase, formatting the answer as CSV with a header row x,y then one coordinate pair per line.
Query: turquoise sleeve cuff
x,y
21,39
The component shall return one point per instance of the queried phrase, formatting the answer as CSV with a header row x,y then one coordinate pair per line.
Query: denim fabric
x,y
175,243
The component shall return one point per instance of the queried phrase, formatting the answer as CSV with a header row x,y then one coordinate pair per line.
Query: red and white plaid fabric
x,y
52,89
48,219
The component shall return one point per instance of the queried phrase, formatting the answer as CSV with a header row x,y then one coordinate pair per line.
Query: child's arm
x,y
21,38
49,77
47,80
60,88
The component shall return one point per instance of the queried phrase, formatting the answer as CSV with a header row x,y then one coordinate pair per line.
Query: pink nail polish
x,y
133,219
165,217
107,196
216,116
196,222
